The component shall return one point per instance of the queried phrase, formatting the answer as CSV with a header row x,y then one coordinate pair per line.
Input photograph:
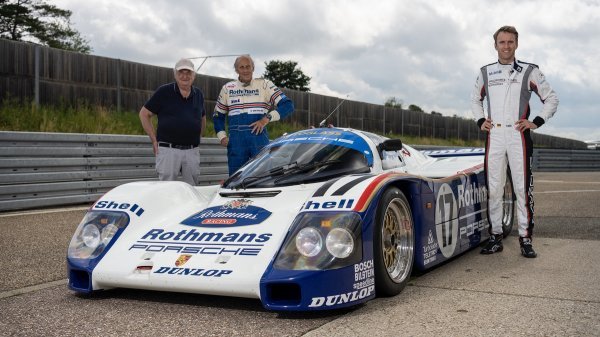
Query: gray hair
x,y
239,58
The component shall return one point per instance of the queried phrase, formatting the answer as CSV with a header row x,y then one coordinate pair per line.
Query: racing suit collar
x,y
245,84
515,65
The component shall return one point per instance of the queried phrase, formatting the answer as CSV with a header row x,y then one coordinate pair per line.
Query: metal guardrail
x,y
557,160
55,169
51,169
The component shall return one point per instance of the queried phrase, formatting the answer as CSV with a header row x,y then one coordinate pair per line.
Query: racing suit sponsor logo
x,y
231,214
194,242
192,271
182,259
243,92
496,82
107,204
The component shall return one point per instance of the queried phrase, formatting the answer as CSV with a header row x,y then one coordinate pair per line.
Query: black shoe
x,y
494,245
527,247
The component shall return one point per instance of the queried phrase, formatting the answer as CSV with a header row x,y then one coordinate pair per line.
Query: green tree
x,y
38,21
413,107
286,75
393,102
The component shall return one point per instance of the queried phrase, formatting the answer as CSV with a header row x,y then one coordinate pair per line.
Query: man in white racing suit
x,y
507,85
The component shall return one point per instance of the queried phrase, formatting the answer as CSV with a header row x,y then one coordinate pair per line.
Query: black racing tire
x,y
393,243
508,207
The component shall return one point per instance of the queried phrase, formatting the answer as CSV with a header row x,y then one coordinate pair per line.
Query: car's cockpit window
x,y
288,163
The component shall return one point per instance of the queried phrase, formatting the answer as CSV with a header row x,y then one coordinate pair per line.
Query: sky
x,y
422,52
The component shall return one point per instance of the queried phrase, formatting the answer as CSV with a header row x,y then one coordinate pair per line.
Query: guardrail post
x,y
119,85
36,77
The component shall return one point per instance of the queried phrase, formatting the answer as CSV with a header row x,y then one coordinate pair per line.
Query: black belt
x,y
176,146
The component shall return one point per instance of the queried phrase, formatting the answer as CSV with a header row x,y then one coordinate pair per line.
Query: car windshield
x,y
289,163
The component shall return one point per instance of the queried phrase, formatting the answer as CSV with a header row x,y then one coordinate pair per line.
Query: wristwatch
x,y
269,117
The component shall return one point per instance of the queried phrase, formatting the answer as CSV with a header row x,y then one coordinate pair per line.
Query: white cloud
x,y
424,52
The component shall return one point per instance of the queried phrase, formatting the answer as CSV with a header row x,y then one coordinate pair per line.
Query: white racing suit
x,y
508,90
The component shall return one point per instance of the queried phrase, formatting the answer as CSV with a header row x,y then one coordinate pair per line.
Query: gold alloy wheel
x,y
397,240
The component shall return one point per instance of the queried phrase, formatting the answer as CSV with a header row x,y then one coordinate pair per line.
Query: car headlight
x,y
322,240
95,232
340,243
90,235
309,242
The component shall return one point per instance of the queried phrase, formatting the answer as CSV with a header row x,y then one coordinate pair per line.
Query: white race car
x,y
319,219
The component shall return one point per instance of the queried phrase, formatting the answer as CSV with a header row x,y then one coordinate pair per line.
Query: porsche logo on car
x,y
238,204
182,259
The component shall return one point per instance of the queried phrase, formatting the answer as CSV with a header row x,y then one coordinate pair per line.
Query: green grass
x,y
84,118
15,116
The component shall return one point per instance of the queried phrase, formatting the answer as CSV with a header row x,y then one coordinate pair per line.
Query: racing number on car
x,y
446,220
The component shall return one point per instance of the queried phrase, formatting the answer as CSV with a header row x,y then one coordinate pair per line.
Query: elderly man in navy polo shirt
x,y
179,107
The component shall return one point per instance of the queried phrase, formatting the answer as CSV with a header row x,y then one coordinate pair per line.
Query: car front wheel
x,y
393,243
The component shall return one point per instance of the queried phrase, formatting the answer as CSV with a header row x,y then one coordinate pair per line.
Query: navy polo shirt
x,y
179,118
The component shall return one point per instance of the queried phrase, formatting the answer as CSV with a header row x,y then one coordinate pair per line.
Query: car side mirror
x,y
389,145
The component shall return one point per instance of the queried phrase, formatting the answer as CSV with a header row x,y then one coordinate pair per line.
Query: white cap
x,y
184,64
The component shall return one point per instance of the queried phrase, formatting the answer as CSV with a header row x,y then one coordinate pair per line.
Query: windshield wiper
x,y
308,167
285,170
295,179
272,172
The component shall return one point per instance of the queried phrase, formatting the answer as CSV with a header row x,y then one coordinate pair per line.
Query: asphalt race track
x,y
556,294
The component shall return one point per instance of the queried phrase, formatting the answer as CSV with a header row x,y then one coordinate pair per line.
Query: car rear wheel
x,y
508,207
393,243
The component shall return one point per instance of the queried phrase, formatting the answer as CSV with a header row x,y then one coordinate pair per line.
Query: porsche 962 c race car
x,y
320,219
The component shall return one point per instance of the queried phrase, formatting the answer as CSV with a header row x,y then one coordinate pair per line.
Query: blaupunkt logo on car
x,y
234,213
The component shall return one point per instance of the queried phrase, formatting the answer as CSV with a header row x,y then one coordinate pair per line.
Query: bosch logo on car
x,y
343,204
107,204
